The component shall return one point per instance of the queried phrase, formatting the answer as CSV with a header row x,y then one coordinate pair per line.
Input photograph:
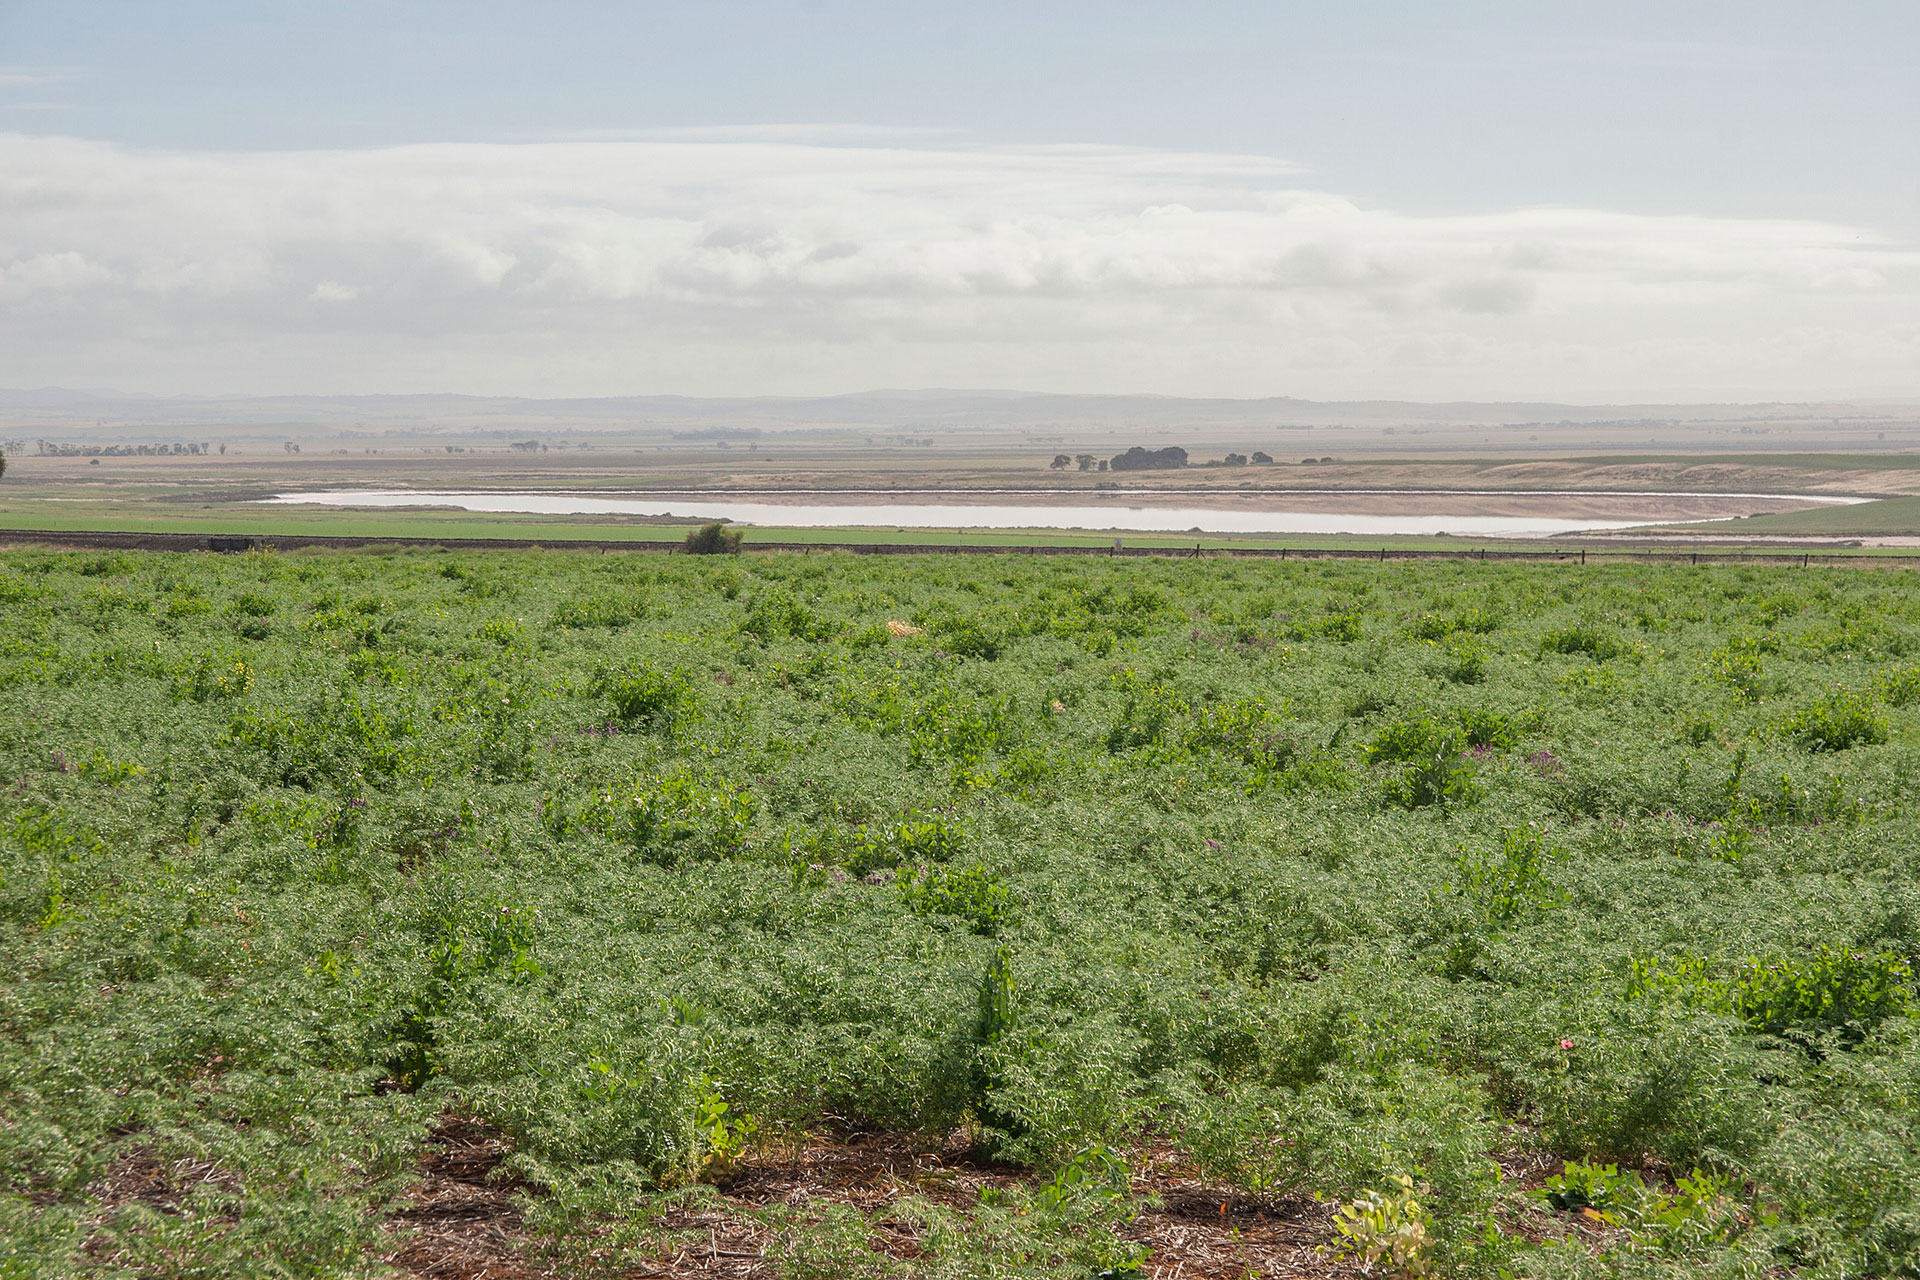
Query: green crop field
x,y
1887,517
527,913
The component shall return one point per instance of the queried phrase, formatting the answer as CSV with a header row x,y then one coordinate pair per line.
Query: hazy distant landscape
x,y
1562,468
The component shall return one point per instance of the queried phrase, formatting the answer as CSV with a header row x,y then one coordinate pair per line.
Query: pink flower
x,y
1566,1044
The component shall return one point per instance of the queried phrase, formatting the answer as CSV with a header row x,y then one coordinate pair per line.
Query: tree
x,y
1061,462
1170,458
1084,460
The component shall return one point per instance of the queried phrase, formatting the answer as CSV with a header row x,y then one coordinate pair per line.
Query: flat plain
x,y
80,462
514,913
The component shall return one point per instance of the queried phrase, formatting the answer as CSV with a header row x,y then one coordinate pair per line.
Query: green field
x,y
1717,538
560,530
832,915
1887,517
244,521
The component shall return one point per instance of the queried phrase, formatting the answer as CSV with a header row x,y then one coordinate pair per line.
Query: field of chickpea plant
x,y
514,914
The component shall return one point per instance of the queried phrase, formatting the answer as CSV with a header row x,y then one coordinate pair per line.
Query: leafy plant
x,y
971,895
1839,721
1826,991
1585,638
1601,1188
1514,883
1387,1229
677,819
647,698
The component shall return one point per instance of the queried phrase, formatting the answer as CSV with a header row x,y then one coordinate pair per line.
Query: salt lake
x,y
829,509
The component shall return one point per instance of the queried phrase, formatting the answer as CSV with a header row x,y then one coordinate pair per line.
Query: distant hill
x,y
925,409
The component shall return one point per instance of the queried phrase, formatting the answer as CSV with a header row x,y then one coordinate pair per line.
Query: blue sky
x,y
1494,192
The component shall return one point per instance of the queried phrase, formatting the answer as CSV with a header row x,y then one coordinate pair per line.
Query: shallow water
x,y
1111,515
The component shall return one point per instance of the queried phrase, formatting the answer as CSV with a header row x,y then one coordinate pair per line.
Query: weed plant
x,y
1365,881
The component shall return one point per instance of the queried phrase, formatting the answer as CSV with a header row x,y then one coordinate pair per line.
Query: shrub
x,y
867,848
714,539
1513,883
676,820
1898,688
605,610
1466,662
1438,626
1145,717
966,636
1341,627
1406,739
776,615
1587,639
1742,673
1440,775
1245,729
650,699
1828,991
971,895
1837,722
1488,728
1415,737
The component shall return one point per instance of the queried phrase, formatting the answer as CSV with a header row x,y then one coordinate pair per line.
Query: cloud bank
x,y
730,264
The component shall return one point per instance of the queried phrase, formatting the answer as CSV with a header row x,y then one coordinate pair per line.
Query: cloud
x,y
764,262
12,77
61,273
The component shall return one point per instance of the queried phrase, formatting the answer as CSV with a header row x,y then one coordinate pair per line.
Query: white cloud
x,y
738,263
58,273
12,77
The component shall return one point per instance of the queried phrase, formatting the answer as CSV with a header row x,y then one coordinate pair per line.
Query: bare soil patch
x,y
460,1221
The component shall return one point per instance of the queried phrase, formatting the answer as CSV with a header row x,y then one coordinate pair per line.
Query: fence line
x,y
111,540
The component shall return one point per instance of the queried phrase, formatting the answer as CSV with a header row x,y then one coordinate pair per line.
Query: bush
x,y
677,819
967,637
970,895
776,615
714,539
1837,722
1898,688
1828,991
647,698
607,610
1587,639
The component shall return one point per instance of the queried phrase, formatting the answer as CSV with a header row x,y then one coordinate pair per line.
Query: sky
x,y
1633,202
